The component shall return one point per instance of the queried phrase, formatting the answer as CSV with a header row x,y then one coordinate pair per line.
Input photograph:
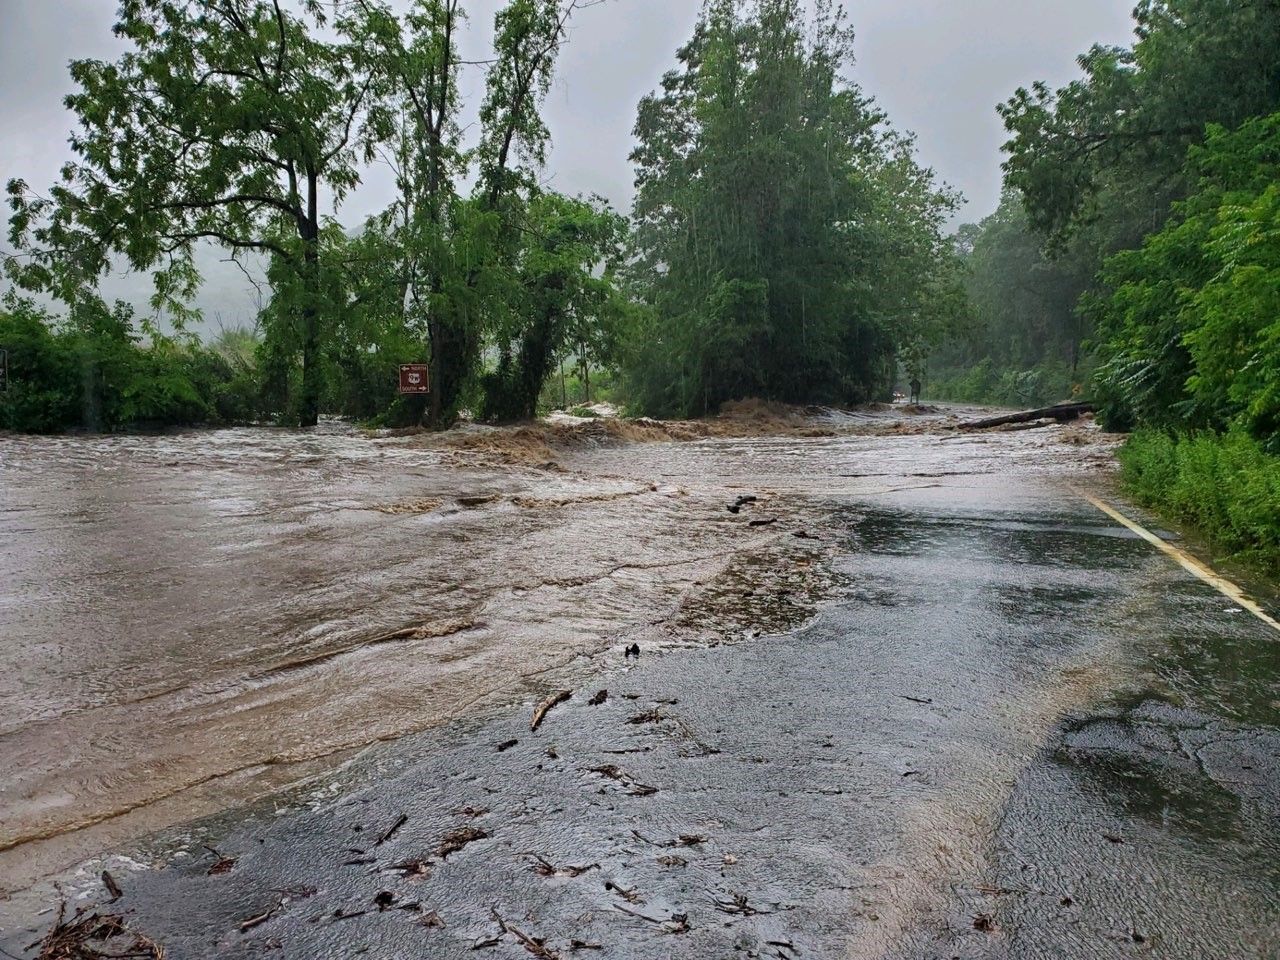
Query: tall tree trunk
x,y
309,402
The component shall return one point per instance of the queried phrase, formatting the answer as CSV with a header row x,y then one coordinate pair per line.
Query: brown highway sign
x,y
415,378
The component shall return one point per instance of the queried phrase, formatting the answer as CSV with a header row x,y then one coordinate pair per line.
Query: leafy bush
x,y
1189,332
1047,382
92,372
1227,485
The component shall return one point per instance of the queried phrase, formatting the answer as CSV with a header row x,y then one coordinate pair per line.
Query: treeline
x,y
244,124
1135,200
1136,258
784,242
99,370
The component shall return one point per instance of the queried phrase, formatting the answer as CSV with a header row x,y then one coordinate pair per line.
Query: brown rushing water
x,y
190,620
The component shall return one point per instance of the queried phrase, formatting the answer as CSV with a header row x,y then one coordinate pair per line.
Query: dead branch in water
x,y
540,711
394,828
455,840
537,948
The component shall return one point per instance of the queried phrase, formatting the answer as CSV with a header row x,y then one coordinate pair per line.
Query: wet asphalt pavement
x,y
1005,728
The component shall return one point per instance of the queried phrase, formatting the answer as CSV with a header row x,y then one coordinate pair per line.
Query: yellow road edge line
x,y
1190,563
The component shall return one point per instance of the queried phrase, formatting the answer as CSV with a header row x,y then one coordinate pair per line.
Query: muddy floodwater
x,y
901,692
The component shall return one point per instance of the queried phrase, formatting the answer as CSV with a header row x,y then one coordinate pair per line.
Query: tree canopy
x,y
785,238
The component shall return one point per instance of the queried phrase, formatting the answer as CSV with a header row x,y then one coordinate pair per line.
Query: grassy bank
x,y
1226,485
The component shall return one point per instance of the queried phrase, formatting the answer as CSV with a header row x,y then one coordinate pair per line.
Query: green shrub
x,y
92,372
1226,485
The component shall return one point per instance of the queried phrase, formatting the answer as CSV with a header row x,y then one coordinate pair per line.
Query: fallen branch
x,y
113,888
540,711
537,948
258,919
634,787
391,832
545,868
69,939
1061,412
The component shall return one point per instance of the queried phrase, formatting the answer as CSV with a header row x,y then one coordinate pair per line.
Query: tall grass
x,y
1226,485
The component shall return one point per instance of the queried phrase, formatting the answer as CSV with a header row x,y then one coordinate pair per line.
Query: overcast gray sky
x,y
938,67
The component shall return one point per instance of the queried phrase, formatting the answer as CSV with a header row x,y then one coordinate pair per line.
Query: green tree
x,y
229,122
1188,329
1108,149
767,187
564,293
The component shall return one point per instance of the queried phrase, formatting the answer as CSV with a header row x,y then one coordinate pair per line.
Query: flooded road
x,y
930,704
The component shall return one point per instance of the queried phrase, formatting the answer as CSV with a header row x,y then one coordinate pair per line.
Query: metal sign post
x,y
415,378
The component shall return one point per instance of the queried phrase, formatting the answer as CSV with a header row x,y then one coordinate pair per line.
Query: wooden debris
x,y
583,945
679,922
631,896
738,906
687,840
70,939
258,919
113,888
506,745
984,922
649,716
598,698
221,864
431,920
766,522
540,711
534,946
673,861
417,869
916,699
634,787
392,830
544,868
1061,412
455,840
